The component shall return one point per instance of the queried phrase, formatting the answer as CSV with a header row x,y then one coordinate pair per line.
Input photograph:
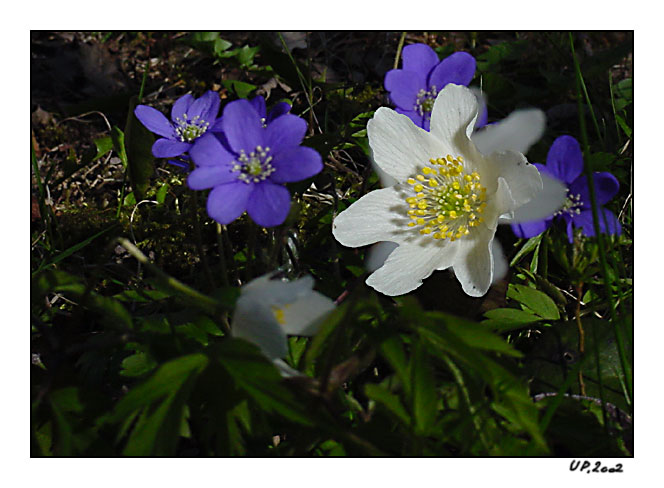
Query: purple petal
x,y
168,148
208,151
607,220
526,230
258,103
285,132
606,187
269,204
417,119
404,86
227,202
565,159
206,177
296,164
569,229
206,107
457,68
154,121
242,126
278,110
181,106
419,58
217,126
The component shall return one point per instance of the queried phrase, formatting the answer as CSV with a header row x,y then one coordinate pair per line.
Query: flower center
x,y
255,166
188,130
571,206
448,200
424,102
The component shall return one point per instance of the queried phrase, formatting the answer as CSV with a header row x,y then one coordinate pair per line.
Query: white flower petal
x,y
517,132
523,179
408,265
454,113
500,265
285,370
545,203
304,316
278,291
255,322
378,253
385,179
473,265
398,146
378,216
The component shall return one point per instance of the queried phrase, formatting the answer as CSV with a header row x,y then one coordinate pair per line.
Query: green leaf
x,y
260,379
104,145
137,365
167,380
392,350
536,301
138,142
239,88
162,192
530,245
511,317
389,400
423,391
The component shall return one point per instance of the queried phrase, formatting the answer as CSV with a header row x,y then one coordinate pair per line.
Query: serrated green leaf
x,y
389,400
137,365
240,88
536,301
511,316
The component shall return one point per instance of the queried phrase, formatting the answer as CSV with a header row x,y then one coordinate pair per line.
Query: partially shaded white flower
x,y
443,211
517,132
270,309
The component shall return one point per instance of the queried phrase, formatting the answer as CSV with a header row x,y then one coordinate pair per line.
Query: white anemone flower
x,y
443,211
268,310
517,132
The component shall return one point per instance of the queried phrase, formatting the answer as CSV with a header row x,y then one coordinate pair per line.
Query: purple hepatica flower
x,y
414,88
278,110
248,172
564,162
190,119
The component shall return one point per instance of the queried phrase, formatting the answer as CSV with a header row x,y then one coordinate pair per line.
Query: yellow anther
x,y
480,220
411,224
460,159
420,177
472,216
467,207
411,181
427,230
421,212
453,214
433,182
418,188
422,205
441,219
449,158
420,195
436,235
426,170
458,196
433,161
420,221
468,178
456,185
411,200
444,228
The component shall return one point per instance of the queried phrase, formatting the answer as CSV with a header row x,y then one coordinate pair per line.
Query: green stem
x,y
600,238
199,242
222,257
399,49
205,302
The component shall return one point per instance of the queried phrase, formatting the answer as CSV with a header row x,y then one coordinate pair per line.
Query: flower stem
x,y
399,49
222,257
600,238
582,336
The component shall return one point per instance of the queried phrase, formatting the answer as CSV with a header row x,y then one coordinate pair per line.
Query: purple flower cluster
x,y
414,87
245,156
564,162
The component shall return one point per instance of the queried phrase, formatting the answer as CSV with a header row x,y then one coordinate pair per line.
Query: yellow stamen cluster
x,y
448,200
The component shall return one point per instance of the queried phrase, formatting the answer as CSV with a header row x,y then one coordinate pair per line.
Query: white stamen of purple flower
x,y
571,206
254,167
425,99
188,130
